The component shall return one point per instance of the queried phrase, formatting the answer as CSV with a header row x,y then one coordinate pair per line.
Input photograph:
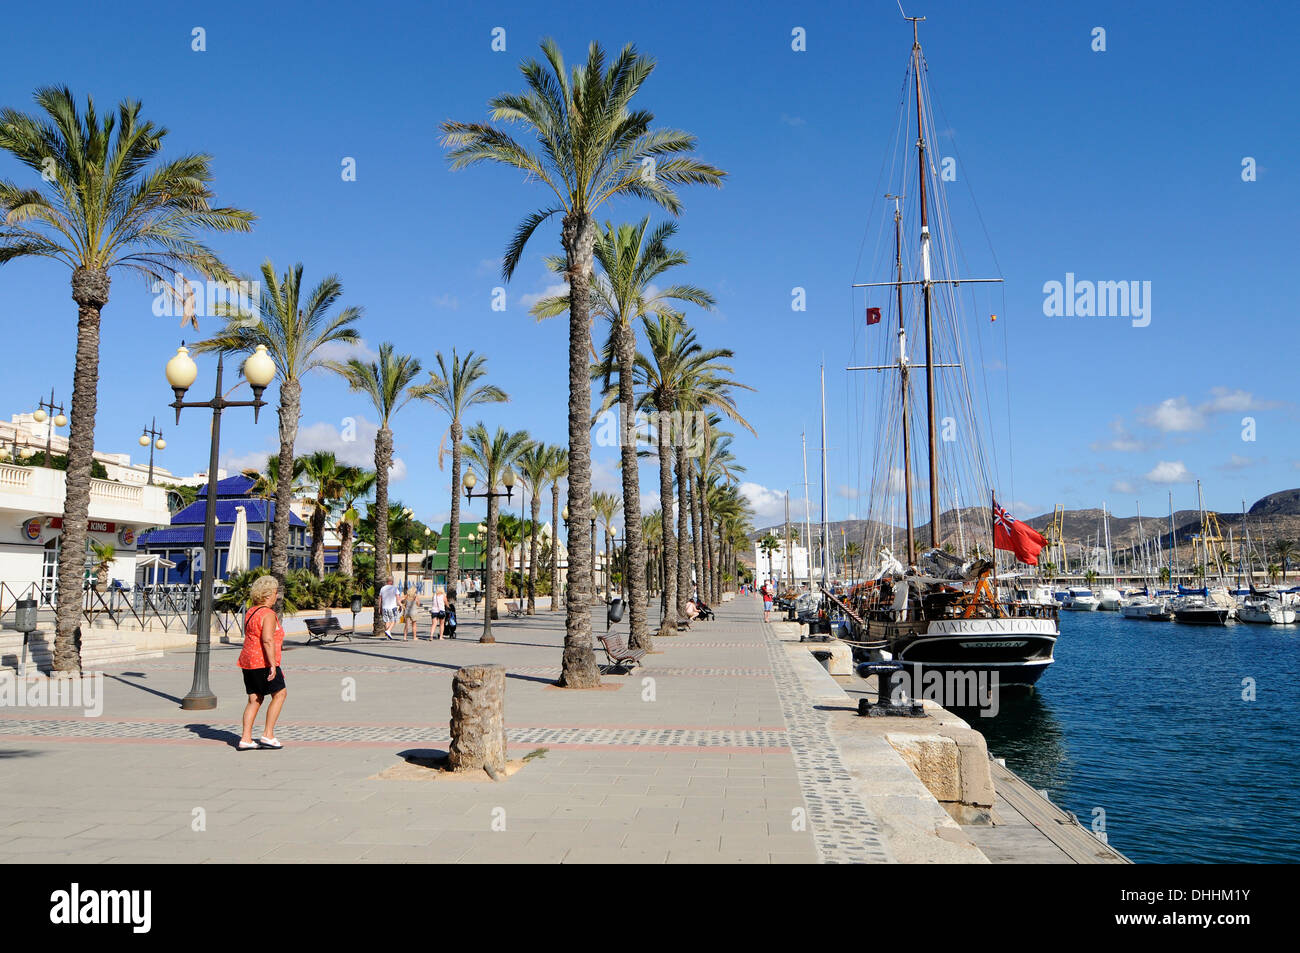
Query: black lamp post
x,y
508,479
259,371
57,419
152,438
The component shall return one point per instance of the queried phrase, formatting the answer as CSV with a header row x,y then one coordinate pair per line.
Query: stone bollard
x,y
478,720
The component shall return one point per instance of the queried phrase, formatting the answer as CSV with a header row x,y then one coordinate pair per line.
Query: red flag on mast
x,y
873,316
1011,534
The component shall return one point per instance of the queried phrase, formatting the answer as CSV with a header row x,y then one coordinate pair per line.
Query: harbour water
x,y
1146,721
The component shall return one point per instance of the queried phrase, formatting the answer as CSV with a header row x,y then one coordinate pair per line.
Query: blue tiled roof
x,y
192,535
254,509
237,485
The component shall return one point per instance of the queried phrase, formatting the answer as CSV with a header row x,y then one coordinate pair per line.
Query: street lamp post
x,y
59,420
152,438
508,479
259,370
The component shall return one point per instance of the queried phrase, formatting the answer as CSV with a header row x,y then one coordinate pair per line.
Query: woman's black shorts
x,y
256,682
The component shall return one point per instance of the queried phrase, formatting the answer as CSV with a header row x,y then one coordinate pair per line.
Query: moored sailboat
x,y
939,609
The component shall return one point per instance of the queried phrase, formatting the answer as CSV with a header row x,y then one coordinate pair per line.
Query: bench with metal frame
x,y
619,654
323,628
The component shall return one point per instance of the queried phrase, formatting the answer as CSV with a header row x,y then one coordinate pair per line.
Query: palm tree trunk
x,y
345,548
696,549
683,537
579,668
634,542
318,541
706,524
453,541
555,545
90,291
494,562
290,405
669,541
383,456
536,511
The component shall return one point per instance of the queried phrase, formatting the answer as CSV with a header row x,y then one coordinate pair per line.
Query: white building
x,y
31,509
774,566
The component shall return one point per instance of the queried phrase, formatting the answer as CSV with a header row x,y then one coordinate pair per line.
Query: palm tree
x,y
679,378
356,484
558,470
592,148
100,208
651,527
1285,550
387,383
852,554
492,455
294,331
717,463
623,291
326,479
454,387
535,464
769,544
510,535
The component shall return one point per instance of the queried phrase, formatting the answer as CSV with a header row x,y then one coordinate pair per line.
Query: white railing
x,y
19,478
117,492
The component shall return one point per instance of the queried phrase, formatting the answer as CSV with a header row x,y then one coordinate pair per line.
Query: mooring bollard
x,y
478,721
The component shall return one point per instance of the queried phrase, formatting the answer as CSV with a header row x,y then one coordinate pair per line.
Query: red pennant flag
x,y
1011,534
873,316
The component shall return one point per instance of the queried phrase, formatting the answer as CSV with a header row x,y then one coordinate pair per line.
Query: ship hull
x,y
1015,651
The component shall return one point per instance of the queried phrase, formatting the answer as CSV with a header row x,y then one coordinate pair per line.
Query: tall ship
x,y
941,594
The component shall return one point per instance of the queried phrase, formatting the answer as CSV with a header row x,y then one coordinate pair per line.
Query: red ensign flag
x,y
1011,534
873,316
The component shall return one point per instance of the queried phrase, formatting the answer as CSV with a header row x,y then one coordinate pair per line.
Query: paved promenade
x,y
713,752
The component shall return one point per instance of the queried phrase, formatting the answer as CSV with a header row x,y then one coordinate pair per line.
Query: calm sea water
x,y
1146,721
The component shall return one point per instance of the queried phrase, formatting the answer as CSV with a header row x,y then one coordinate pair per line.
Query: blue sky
x,y
1116,165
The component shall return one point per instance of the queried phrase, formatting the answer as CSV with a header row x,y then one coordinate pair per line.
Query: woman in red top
x,y
260,661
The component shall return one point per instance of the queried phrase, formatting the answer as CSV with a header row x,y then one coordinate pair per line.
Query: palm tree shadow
x,y
445,665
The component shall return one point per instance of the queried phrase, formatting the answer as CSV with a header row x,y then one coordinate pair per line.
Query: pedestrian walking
x,y
450,620
438,609
260,663
410,602
767,601
388,606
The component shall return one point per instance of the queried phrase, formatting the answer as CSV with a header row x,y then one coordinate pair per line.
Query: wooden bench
x,y
323,628
619,655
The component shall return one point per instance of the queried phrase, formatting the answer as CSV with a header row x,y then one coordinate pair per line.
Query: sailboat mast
x,y
926,291
826,582
1173,540
807,507
902,377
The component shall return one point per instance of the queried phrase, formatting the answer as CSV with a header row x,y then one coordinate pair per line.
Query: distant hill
x,y
1273,518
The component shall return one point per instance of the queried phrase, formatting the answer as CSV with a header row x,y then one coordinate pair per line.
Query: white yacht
x,y
1080,599
1109,599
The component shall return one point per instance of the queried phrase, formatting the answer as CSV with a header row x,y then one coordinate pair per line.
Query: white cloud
x,y
448,301
768,505
352,444
1125,487
1174,415
343,351
846,491
1167,471
1122,441
1237,462
255,460
527,301
1231,401
793,120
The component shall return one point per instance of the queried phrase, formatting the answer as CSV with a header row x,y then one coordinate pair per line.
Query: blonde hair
x,y
263,586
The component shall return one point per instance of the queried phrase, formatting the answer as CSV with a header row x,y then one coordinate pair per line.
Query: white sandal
x,y
266,742
251,746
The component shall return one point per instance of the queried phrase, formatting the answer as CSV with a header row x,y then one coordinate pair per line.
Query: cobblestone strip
x,y
92,730
845,831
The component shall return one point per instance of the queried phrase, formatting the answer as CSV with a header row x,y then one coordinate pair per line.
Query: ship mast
x,y
902,376
926,288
